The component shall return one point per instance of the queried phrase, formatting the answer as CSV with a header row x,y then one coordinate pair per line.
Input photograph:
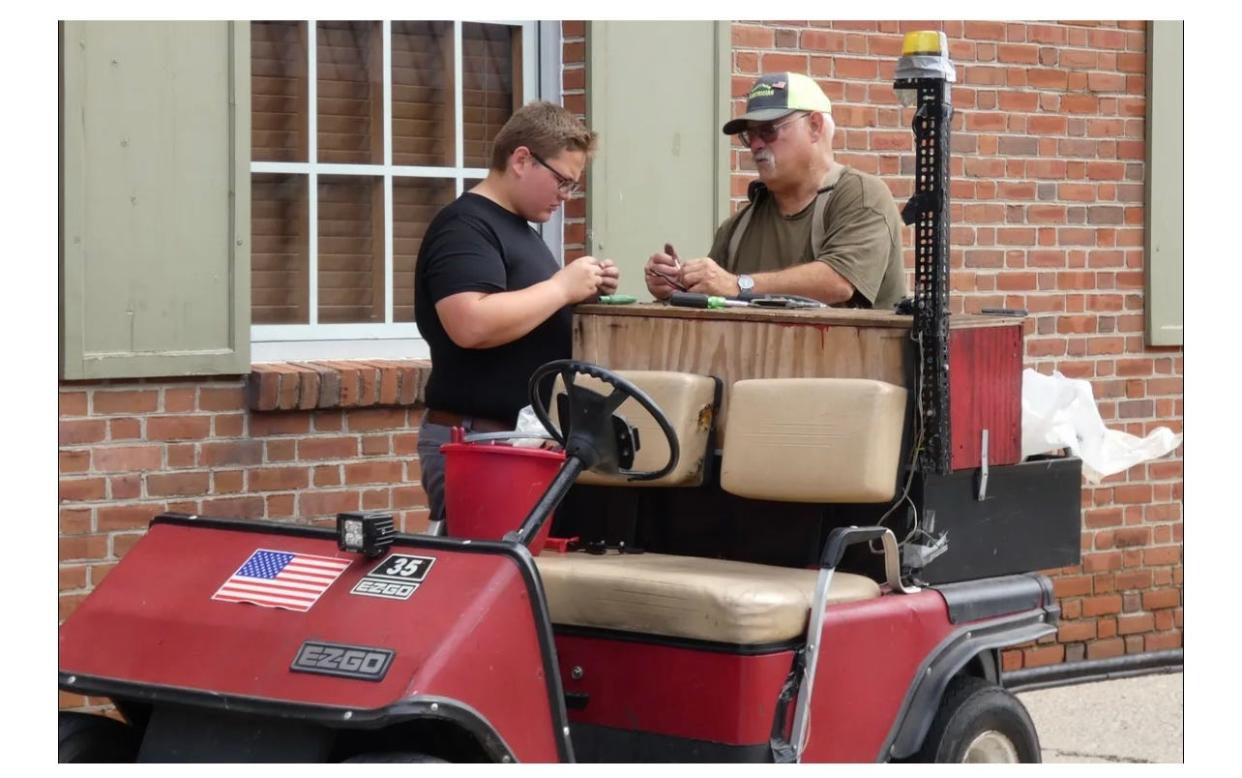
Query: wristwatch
x,y
746,286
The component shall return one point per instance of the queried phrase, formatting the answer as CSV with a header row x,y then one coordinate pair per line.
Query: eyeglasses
x,y
767,132
564,184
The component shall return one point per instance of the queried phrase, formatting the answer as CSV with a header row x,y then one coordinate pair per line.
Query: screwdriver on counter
x,y
696,300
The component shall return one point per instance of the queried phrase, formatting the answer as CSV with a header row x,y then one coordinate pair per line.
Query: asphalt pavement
x,y
1123,720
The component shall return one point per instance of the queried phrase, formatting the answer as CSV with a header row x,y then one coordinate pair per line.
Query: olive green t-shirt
x,y
862,238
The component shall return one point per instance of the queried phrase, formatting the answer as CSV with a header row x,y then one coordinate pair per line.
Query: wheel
x,y
85,737
392,757
590,431
980,722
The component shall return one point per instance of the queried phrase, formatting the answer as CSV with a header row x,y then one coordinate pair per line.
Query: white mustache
x,y
763,156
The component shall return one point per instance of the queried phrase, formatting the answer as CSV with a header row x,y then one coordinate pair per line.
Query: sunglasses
x,y
564,184
767,132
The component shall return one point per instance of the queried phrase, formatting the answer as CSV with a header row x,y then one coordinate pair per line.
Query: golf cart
x,y
411,648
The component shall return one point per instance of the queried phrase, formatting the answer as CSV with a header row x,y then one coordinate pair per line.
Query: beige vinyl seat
x,y
802,439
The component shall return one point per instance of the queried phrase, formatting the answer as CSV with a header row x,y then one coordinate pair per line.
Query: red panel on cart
x,y
985,392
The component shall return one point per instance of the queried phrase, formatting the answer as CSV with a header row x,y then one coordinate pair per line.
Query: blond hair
x,y
546,129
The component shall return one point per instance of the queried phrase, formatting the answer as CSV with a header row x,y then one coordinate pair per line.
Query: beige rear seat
x,y
687,597
798,439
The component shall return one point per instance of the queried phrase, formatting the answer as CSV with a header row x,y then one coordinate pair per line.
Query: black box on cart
x,y
1029,519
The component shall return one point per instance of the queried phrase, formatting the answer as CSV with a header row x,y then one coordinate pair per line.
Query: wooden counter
x,y
985,362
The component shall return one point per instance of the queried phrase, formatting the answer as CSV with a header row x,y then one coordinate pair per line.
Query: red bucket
x,y
489,489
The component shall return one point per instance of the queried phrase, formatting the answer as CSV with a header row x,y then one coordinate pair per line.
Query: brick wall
x,y
1048,168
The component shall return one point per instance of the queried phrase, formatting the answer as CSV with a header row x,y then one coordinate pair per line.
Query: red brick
x,y
797,63
179,399
126,517
232,453
227,481
82,489
1101,605
275,479
280,449
143,401
78,431
178,484
178,427
374,472
71,577
82,547
329,475
181,455
1139,622
75,461
377,419
280,423
1043,655
1104,649
376,445
230,425
1162,598
72,404
1163,555
1076,631
1164,641
748,37
229,398
280,506
820,40
328,448
249,507
326,503
124,429
116,459
125,487
75,521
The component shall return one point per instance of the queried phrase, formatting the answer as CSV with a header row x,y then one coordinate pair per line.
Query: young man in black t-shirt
x,y
489,297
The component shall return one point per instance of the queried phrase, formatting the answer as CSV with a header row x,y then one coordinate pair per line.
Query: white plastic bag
x,y
1060,412
529,423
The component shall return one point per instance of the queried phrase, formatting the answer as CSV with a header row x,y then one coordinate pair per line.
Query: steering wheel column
x,y
593,436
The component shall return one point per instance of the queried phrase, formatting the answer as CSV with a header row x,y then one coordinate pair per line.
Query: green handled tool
x,y
696,300
618,299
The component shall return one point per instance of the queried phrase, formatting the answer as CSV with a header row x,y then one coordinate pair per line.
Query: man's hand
x,y
661,267
703,275
581,279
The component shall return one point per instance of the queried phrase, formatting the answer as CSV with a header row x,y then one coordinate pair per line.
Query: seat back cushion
x,y
689,402
825,440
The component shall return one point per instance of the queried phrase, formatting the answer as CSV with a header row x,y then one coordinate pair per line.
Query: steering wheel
x,y
589,429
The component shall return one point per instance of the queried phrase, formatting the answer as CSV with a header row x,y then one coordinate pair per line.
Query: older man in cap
x,y
813,227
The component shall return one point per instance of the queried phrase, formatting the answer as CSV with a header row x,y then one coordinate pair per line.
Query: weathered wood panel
x,y
733,349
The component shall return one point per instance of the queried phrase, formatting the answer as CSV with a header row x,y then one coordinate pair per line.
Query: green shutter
x,y
155,199
1165,200
658,94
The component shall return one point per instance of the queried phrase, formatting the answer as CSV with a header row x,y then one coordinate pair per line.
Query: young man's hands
x,y
587,277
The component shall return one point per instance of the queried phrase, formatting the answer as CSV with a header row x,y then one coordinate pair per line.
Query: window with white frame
x,y
360,132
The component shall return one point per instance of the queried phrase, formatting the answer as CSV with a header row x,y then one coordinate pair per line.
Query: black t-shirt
x,y
474,245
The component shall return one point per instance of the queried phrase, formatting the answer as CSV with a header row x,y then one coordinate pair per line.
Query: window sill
x,y
304,386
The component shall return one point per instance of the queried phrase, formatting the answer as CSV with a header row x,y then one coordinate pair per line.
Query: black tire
x,y
980,722
84,737
391,757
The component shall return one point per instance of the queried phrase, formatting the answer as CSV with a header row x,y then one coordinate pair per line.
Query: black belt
x,y
471,423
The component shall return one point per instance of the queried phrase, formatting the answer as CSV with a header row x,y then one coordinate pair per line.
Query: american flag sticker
x,y
282,579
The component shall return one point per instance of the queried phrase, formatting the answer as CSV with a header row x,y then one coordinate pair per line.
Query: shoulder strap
x,y
754,191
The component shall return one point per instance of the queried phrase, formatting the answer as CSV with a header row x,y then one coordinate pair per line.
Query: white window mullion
x,y
388,201
459,121
312,183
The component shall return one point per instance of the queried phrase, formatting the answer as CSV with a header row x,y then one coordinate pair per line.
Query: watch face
x,y
745,282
